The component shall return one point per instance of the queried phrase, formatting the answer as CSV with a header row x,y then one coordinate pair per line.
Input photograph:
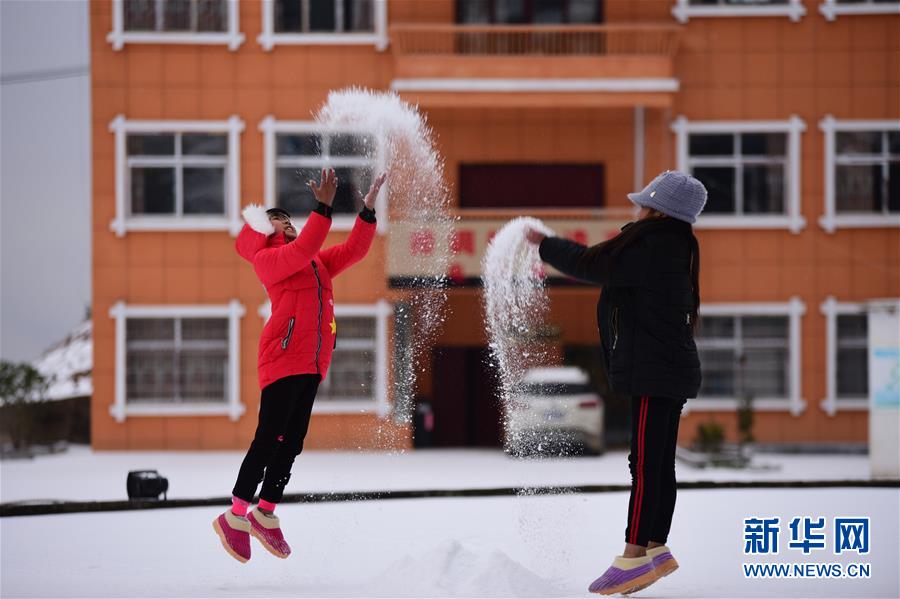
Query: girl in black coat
x,y
646,317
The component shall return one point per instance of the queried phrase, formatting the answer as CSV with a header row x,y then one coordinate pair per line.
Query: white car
x,y
556,410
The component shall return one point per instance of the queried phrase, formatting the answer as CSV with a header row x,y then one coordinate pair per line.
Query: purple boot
x,y
234,532
626,575
663,561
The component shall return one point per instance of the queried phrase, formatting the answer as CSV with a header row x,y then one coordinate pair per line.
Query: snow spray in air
x,y
419,206
515,307
515,303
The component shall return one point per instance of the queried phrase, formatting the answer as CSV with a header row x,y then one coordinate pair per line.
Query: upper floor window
x,y
862,173
176,15
175,21
832,8
324,22
751,170
688,9
296,152
176,175
330,16
525,12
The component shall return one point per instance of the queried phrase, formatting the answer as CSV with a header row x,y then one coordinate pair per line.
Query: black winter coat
x,y
644,311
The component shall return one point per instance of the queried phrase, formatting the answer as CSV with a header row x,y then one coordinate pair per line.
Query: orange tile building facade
x,y
790,112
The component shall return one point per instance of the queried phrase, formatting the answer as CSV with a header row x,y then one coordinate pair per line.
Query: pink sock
x,y
266,505
239,506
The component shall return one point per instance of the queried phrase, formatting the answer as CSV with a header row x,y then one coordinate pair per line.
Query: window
x,y
176,175
847,356
750,350
177,360
744,355
750,169
298,151
518,12
832,8
862,173
852,355
324,22
687,9
351,376
176,22
357,377
330,16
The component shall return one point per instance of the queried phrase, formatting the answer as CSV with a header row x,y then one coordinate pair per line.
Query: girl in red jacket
x,y
294,351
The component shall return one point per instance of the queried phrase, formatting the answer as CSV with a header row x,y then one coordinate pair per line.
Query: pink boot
x,y
267,529
234,532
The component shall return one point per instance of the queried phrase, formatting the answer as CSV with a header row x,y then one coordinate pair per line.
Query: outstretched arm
x,y
631,267
275,264
342,256
568,257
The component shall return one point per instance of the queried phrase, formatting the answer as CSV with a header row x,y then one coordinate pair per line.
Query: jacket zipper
x,y
319,321
287,338
615,323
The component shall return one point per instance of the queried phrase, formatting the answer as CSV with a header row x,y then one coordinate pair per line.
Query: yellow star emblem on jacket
x,y
333,326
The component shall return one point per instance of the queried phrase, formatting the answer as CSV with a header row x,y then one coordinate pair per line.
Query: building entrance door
x,y
465,402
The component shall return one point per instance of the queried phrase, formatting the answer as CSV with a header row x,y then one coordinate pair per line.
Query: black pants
x,y
654,432
284,411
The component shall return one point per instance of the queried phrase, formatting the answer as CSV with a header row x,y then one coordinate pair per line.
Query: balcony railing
x,y
537,40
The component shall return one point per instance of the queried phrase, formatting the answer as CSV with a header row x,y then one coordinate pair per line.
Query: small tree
x,y
23,390
710,436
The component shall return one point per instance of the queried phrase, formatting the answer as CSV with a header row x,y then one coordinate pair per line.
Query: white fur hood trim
x,y
255,216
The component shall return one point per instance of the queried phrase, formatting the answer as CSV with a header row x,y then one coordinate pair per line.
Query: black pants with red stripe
x,y
284,412
654,432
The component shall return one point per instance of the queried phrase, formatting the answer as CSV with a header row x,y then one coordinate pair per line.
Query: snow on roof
x,y
68,364
556,374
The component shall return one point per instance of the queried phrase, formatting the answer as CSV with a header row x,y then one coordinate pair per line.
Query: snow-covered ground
x,y
82,474
548,546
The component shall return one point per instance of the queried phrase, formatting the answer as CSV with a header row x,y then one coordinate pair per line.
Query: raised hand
x,y
373,191
533,236
325,191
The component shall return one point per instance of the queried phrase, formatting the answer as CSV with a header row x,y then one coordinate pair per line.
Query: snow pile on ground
x,y
458,569
68,364
478,547
419,203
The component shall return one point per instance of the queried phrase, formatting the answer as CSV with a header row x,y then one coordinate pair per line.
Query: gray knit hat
x,y
674,193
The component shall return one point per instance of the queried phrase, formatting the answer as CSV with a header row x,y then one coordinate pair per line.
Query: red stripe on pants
x,y
639,486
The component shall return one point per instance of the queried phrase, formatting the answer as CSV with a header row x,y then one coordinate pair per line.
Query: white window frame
x,y
339,222
794,403
683,10
833,220
793,128
233,408
831,9
380,405
831,308
118,37
230,221
268,39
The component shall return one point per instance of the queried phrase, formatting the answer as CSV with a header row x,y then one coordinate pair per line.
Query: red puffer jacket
x,y
300,335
